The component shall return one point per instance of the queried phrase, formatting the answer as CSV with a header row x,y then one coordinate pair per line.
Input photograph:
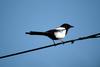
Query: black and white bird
x,y
54,34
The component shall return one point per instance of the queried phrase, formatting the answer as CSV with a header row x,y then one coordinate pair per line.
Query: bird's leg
x,y
54,42
61,41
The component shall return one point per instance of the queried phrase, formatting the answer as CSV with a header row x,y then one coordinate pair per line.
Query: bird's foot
x,y
54,43
62,41
72,41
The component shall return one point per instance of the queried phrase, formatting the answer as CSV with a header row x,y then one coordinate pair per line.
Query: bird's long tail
x,y
36,33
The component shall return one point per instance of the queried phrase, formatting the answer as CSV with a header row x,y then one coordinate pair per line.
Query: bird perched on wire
x,y
54,34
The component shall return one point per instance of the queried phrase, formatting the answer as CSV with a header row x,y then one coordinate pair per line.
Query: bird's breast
x,y
60,34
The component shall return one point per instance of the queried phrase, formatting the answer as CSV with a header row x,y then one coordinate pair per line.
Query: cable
x,y
72,41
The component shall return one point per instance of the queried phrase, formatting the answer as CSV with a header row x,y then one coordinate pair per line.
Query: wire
x,y
72,41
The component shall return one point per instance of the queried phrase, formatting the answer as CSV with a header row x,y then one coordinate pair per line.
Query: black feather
x,y
36,33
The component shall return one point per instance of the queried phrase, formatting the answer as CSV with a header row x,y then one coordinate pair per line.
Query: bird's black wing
x,y
50,34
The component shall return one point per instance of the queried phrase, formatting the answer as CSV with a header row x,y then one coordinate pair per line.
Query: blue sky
x,y
19,16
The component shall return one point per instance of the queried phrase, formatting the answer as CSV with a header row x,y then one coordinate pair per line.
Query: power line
x,y
72,41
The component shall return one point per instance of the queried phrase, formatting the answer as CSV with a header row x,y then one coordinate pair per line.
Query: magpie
x,y
55,34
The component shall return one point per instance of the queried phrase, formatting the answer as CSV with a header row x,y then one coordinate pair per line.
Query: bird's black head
x,y
67,26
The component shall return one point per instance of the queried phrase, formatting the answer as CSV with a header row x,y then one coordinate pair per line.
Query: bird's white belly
x,y
60,34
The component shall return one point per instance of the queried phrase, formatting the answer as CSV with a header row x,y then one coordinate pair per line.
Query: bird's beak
x,y
71,26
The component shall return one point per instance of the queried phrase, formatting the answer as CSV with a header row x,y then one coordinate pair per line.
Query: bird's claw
x,y
72,41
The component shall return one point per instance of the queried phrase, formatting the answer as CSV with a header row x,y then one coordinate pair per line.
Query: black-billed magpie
x,y
54,34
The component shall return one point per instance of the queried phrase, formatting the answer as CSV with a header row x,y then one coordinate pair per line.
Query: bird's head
x,y
67,26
